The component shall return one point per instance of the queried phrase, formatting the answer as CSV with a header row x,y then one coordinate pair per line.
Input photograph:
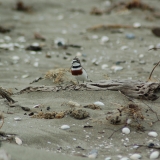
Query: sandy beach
x,y
112,53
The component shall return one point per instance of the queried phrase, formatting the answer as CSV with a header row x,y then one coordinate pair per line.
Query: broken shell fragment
x,y
93,154
104,39
65,127
116,68
98,103
126,130
17,119
18,140
153,134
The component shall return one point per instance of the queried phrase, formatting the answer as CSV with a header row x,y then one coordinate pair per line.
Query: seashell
x,y
153,134
78,54
18,140
65,127
98,103
124,47
135,156
74,104
129,121
154,155
108,158
16,58
17,119
136,25
25,76
116,68
126,130
141,55
104,39
104,66
36,106
93,154
35,44
94,36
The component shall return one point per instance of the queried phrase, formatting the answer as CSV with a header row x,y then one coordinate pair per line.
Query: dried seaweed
x,y
4,29
20,6
92,106
49,115
58,75
130,5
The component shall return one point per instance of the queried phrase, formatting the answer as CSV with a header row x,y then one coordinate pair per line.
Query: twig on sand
x,y
5,95
149,79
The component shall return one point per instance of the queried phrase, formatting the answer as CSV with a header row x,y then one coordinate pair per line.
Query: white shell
x,y
124,47
136,25
108,158
129,121
17,119
98,103
93,154
65,127
154,155
104,66
135,156
116,68
153,134
104,39
126,130
25,76
18,140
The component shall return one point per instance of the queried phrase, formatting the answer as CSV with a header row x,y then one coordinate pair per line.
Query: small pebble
x,y
135,156
130,36
153,134
65,127
126,130
108,158
154,155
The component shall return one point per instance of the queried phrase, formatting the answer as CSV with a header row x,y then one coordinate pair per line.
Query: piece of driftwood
x,y
4,94
131,88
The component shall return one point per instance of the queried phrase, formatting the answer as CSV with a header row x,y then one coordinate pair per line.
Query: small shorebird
x,y
78,71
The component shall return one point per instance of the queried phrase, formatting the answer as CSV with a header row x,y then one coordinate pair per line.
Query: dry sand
x,y
42,138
